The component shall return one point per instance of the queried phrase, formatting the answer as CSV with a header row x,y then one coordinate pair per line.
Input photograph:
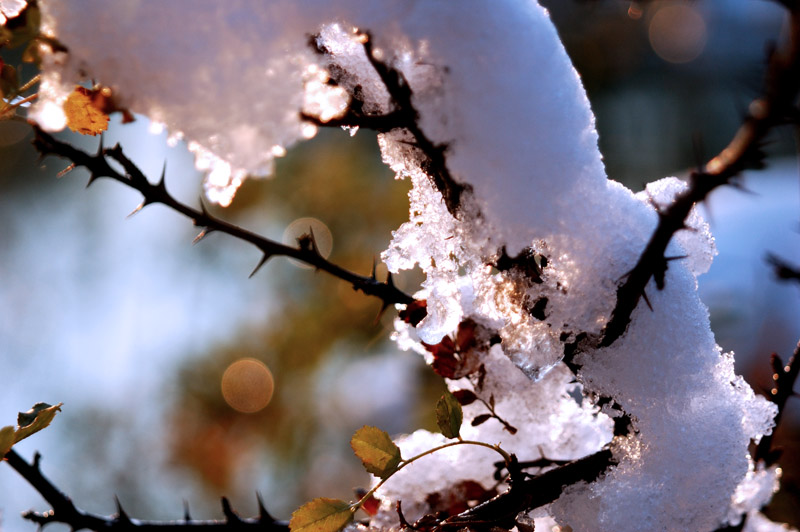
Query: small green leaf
x,y
321,515
376,450
448,415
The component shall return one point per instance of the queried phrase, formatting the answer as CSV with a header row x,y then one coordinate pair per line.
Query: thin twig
x,y
65,511
307,251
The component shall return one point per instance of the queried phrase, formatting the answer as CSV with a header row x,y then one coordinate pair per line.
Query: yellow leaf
x,y
35,419
6,440
84,115
30,422
321,515
376,450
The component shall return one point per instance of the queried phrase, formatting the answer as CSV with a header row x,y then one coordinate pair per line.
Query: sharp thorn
x,y
263,260
741,188
374,269
201,235
161,181
100,148
263,514
121,515
186,516
389,280
230,515
676,257
137,209
65,171
646,300
384,306
92,178
313,241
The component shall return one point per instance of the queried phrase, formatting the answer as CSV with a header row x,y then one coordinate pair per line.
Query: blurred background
x,y
183,380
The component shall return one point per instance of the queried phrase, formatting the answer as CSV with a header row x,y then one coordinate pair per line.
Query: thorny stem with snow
x,y
133,177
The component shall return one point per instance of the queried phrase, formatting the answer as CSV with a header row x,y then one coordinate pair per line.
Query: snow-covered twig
x,y
403,116
743,152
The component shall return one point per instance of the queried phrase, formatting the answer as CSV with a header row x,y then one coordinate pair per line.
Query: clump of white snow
x,y
492,82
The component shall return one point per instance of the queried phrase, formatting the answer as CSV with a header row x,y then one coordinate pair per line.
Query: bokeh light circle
x,y
247,385
677,33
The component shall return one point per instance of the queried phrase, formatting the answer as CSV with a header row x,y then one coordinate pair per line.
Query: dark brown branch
x,y
64,511
785,377
306,251
404,116
525,495
743,152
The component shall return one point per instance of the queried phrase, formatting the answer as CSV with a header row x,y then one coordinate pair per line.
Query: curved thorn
x,y
313,239
263,514
65,171
230,515
137,209
202,234
161,181
646,300
122,516
263,260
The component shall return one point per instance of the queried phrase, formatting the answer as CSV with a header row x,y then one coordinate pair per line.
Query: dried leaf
x,y
35,419
414,312
465,397
321,515
376,450
30,422
371,505
6,439
481,419
465,337
84,114
449,415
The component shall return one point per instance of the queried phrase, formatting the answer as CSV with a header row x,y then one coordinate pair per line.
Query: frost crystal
x,y
531,260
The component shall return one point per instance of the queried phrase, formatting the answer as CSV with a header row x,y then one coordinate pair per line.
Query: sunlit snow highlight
x,y
492,82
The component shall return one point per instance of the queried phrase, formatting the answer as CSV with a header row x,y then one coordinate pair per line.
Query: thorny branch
x,y
306,251
774,108
784,377
782,85
523,495
65,511
403,116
